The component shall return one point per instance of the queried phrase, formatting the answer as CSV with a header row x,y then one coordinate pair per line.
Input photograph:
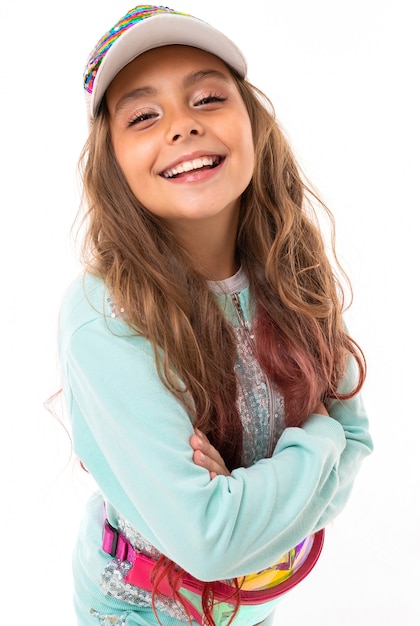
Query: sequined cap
x,y
146,27
131,18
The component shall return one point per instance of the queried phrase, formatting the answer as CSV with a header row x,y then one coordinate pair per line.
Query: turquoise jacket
x,y
133,435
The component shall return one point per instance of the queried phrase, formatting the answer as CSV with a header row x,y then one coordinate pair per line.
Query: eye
x,y
210,98
141,117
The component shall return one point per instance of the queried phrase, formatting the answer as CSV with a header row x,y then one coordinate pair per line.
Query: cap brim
x,y
155,32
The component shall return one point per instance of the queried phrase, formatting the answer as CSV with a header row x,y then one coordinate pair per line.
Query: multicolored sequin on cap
x,y
131,18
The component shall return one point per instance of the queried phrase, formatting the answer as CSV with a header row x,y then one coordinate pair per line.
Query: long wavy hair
x,y
300,339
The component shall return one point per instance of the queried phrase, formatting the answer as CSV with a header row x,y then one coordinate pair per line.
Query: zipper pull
x,y
238,308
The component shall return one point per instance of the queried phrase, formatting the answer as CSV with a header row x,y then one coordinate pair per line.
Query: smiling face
x,y
182,137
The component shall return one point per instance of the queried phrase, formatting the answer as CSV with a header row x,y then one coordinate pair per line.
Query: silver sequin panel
x,y
113,584
260,407
110,620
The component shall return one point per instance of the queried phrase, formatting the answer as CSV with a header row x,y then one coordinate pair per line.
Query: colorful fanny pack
x,y
254,589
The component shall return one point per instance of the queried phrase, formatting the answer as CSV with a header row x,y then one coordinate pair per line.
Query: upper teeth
x,y
187,166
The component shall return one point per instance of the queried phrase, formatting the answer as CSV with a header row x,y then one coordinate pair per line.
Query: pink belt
x,y
286,574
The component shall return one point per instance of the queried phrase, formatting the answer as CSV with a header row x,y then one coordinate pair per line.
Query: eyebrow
x,y
133,95
189,81
195,77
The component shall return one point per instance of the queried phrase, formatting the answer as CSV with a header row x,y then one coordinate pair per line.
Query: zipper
x,y
270,393
271,405
240,314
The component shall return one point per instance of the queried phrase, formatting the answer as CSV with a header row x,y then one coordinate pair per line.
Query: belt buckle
x,y
109,539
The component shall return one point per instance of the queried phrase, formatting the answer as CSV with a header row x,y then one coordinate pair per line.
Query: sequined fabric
x,y
260,408
138,542
113,584
133,17
109,620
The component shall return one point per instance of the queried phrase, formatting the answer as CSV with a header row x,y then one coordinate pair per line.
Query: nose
x,y
182,125
178,136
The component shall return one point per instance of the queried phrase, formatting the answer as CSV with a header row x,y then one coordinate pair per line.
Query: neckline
x,y
234,284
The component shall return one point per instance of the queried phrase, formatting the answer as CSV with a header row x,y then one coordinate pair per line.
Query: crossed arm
x,y
205,455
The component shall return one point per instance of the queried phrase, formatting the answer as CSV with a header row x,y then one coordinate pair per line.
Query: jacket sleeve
x,y
133,435
351,414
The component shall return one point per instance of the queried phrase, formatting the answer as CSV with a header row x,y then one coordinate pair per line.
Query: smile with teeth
x,y
195,164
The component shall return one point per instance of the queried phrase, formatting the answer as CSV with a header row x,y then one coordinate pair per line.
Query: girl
x,y
212,387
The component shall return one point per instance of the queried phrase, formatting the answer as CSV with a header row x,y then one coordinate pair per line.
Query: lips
x,y
199,163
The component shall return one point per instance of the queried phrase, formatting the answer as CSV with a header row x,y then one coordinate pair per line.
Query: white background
x,y
344,78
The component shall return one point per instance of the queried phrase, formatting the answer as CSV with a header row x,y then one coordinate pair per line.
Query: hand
x,y
205,455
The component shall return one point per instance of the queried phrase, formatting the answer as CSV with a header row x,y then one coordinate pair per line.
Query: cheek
x,y
132,158
247,147
121,154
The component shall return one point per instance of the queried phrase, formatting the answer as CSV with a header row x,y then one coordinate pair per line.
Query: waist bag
x,y
254,589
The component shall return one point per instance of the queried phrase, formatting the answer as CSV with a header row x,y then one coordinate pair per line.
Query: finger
x,y
196,442
213,467
201,442
206,455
